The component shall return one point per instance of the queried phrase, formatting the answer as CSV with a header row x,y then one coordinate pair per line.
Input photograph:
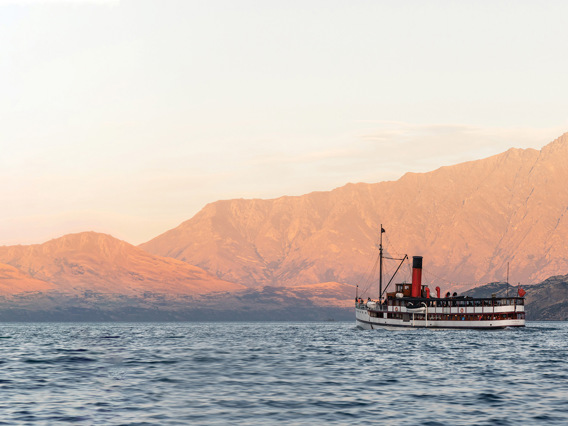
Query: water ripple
x,y
293,373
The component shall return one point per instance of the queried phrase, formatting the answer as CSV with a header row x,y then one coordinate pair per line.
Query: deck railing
x,y
448,302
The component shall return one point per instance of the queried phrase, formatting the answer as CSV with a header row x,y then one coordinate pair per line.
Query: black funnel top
x,y
417,262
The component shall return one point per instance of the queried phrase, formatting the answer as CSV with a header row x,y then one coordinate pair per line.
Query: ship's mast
x,y
381,262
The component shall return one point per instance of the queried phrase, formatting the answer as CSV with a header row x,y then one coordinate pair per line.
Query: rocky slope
x,y
13,281
467,220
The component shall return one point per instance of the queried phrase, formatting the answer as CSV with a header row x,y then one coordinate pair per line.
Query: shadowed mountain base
x,y
547,301
268,304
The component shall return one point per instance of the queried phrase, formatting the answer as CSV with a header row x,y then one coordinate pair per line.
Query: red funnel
x,y
416,276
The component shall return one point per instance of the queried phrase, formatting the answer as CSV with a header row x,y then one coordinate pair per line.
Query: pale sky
x,y
128,116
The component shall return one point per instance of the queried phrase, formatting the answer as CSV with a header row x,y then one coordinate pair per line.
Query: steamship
x,y
412,306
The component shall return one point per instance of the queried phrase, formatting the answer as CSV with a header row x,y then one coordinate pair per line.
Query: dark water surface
x,y
293,373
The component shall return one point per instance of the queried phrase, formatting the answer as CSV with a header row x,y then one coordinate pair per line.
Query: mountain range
x,y
469,221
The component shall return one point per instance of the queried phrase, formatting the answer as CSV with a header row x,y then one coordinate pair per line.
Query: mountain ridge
x,y
468,221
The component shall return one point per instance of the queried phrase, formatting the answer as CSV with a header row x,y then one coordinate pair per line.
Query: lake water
x,y
289,373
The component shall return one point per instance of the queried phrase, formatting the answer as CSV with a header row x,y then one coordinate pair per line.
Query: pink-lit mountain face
x,y
467,220
100,263
13,281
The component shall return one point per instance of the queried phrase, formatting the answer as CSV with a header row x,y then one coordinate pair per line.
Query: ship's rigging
x,y
379,263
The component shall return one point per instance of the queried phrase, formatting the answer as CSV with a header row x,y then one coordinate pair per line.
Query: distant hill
x,y
545,301
95,277
99,263
467,220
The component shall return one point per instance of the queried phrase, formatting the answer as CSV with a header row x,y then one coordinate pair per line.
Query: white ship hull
x,y
368,322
